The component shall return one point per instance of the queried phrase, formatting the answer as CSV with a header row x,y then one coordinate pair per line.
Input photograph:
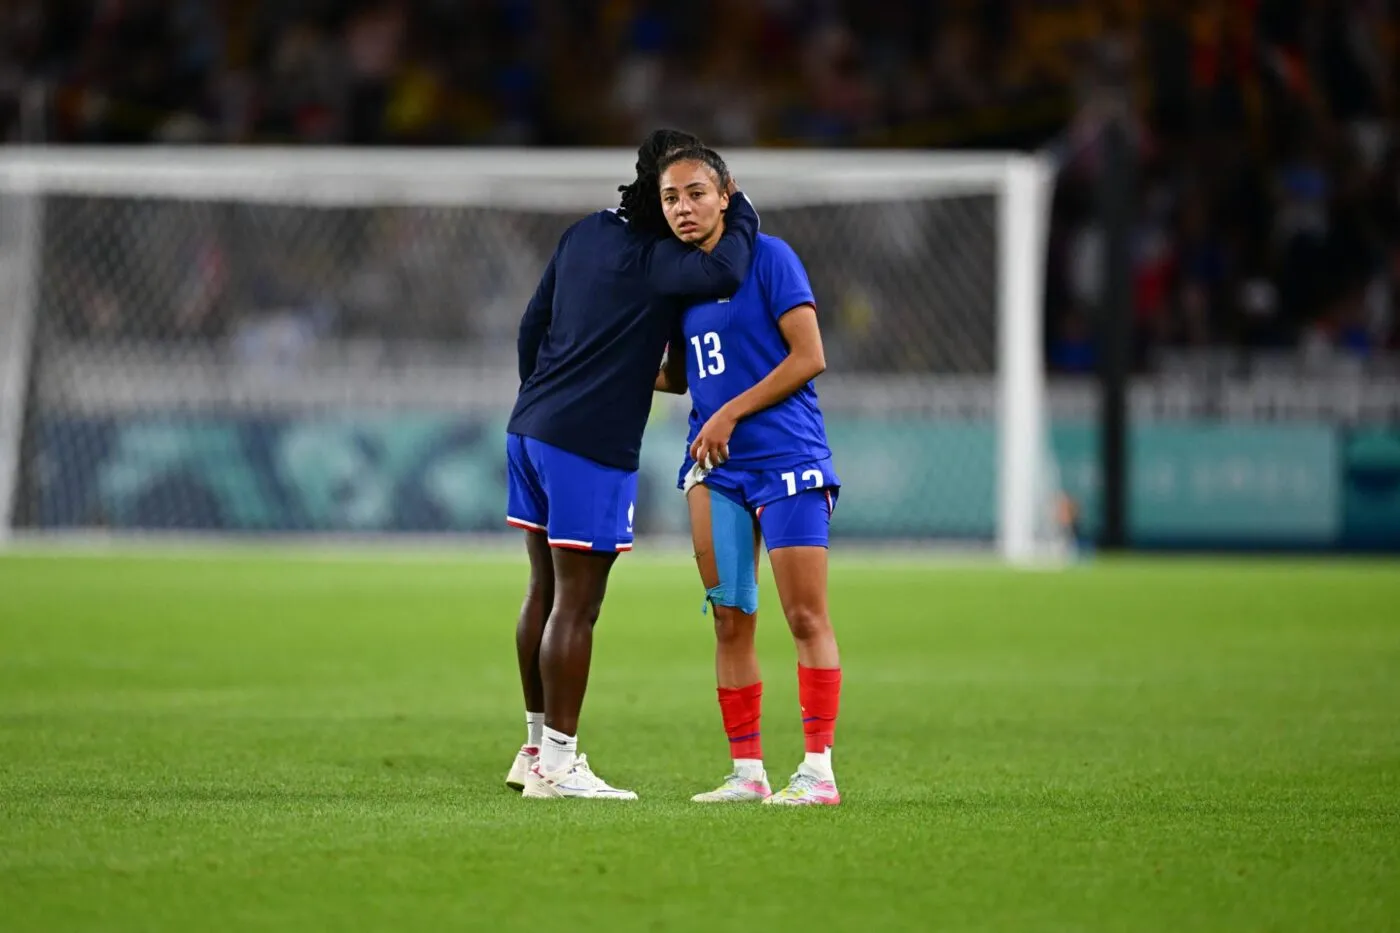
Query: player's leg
x,y
796,532
528,508
529,631
724,536
581,582
566,654
590,523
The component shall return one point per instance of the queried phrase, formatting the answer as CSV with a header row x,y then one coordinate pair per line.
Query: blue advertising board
x,y
1194,484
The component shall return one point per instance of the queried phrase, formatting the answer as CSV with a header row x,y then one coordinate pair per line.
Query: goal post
x,y
1027,480
238,341
21,204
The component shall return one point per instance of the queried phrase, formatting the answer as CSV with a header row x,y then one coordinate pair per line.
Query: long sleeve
x,y
535,323
678,270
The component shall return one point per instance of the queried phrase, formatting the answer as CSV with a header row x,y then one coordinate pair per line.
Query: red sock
x,y
741,708
819,692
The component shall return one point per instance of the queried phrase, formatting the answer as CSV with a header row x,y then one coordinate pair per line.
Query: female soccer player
x,y
758,462
588,345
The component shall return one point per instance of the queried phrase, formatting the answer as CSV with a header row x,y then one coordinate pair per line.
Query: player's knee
x,y
808,623
539,590
734,628
581,613
534,612
591,610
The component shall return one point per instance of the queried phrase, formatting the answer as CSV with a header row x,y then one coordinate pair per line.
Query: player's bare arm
x,y
805,361
671,377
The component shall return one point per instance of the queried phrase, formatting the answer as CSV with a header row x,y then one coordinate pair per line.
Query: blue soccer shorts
x,y
793,507
578,503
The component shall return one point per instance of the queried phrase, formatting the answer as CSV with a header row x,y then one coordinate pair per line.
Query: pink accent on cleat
x,y
805,790
738,789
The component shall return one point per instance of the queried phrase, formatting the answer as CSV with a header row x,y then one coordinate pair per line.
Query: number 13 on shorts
x,y
811,479
802,516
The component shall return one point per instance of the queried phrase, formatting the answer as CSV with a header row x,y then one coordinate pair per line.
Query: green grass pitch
x,y
281,741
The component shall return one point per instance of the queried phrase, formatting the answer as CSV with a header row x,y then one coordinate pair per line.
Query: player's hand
x,y
711,446
732,188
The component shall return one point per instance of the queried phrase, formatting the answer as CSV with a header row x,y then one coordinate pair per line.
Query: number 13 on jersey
x,y
710,349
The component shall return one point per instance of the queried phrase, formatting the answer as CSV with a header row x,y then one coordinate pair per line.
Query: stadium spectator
x,y
1269,213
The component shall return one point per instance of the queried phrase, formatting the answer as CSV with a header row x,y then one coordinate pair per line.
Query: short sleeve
x,y
785,284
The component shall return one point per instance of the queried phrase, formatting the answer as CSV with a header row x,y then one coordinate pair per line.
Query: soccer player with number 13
x,y
758,462
589,343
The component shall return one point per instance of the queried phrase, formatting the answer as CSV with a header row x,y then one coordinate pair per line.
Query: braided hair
x,y
641,205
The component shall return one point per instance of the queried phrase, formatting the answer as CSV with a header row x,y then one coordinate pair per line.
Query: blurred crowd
x,y
1263,131
539,72
1267,178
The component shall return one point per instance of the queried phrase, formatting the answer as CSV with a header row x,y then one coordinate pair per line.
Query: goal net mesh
x,y
211,362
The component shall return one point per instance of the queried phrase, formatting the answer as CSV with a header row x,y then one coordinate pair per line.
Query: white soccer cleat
x,y
738,788
520,767
577,780
806,789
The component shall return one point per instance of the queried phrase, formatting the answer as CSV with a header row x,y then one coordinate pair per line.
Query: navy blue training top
x,y
593,335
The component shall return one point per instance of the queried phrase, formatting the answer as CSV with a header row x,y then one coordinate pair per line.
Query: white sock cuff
x,y
819,763
557,750
748,767
534,728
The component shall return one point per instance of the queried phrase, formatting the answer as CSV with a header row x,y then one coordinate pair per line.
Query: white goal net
x,y
246,342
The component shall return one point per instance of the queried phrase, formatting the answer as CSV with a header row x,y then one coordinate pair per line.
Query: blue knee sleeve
x,y
731,530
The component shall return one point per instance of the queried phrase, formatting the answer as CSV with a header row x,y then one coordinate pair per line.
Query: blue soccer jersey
x,y
734,343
